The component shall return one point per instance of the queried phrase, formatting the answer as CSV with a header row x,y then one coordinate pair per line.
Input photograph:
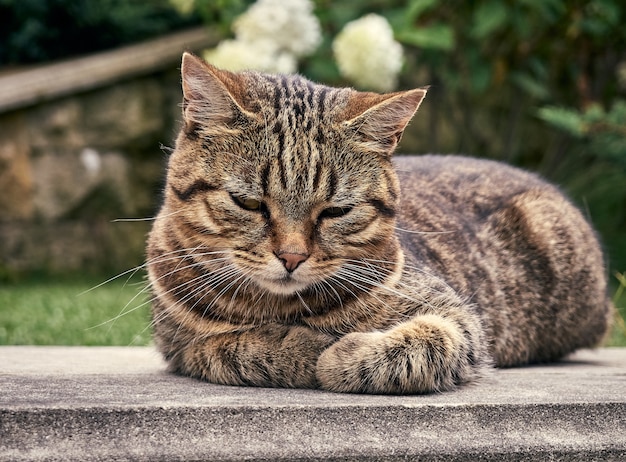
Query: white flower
x,y
269,37
237,55
291,24
367,54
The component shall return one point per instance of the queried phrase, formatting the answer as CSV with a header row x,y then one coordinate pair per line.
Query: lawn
x,y
74,313
86,312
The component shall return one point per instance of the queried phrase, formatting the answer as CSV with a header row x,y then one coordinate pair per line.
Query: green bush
x,y
44,30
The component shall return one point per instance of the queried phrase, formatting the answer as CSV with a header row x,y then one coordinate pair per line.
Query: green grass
x,y
618,334
69,313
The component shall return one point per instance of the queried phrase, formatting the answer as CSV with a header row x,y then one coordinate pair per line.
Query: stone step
x,y
109,403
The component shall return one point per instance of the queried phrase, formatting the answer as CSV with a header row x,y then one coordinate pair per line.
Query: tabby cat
x,y
292,251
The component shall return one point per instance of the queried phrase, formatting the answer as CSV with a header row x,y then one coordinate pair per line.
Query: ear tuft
x,y
209,95
379,120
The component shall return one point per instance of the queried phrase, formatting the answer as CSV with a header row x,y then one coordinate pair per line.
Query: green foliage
x,y
618,335
603,132
43,30
436,36
219,13
596,174
68,313
565,119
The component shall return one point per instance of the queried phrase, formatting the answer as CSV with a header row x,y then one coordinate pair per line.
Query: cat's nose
x,y
291,260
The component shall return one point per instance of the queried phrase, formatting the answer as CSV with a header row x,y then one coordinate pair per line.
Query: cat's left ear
x,y
379,120
212,98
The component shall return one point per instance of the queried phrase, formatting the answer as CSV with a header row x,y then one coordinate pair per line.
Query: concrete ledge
x,y
80,403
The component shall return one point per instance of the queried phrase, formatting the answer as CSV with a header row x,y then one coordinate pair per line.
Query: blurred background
x,y
89,104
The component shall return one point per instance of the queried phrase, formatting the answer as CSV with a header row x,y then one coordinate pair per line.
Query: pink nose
x,y
291,260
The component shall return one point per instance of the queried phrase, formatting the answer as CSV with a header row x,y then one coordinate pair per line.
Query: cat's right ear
x,y
378,121
210,97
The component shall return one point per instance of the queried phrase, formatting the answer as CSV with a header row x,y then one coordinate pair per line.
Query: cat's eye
x,y
334,212
252,205
247,204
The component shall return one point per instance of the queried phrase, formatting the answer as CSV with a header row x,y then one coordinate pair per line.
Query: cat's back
x,y
514,244
464,202
473,185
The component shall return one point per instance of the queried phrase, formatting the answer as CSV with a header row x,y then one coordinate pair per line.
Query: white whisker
x,y
131,220
304,303
423,232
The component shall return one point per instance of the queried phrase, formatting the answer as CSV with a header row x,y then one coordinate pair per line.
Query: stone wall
x,y
73,165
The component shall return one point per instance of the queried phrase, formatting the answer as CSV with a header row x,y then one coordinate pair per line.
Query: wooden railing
x,y
47,82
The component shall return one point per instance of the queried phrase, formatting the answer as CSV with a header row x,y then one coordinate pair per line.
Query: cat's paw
x,y
420,356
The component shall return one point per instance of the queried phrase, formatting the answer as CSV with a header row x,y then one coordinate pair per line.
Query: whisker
x,y
223,273
160,259
347,277
362,277
408,268
131,220
131,271
366,309
124,310
423,232
306,307
136,269
324,284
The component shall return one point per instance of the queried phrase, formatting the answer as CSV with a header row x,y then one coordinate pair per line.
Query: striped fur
x,y
285,255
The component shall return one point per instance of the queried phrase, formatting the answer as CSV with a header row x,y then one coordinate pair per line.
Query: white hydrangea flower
x,y
367,53
237,55
270,36
291,24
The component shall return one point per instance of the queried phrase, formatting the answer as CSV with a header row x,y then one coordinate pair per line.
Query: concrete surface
x,y
82,403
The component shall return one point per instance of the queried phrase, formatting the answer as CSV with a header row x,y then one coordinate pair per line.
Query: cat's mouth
x,y
285,285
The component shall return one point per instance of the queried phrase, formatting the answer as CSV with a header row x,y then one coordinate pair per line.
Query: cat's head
x,y
281,180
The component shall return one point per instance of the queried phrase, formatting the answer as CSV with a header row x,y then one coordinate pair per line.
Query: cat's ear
x,y
212,98
378,121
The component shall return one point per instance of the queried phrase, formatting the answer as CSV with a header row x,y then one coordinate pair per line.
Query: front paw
x,y
272,355
420,356
349,365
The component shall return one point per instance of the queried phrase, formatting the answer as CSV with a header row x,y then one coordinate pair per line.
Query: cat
x,y
292,250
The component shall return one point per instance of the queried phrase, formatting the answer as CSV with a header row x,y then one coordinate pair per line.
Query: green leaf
x,y
530,85
595,113
489,17
549,11
417,7
480,78
564,119
437,36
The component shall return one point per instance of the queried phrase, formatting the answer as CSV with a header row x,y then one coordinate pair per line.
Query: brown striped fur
x,y
292,251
